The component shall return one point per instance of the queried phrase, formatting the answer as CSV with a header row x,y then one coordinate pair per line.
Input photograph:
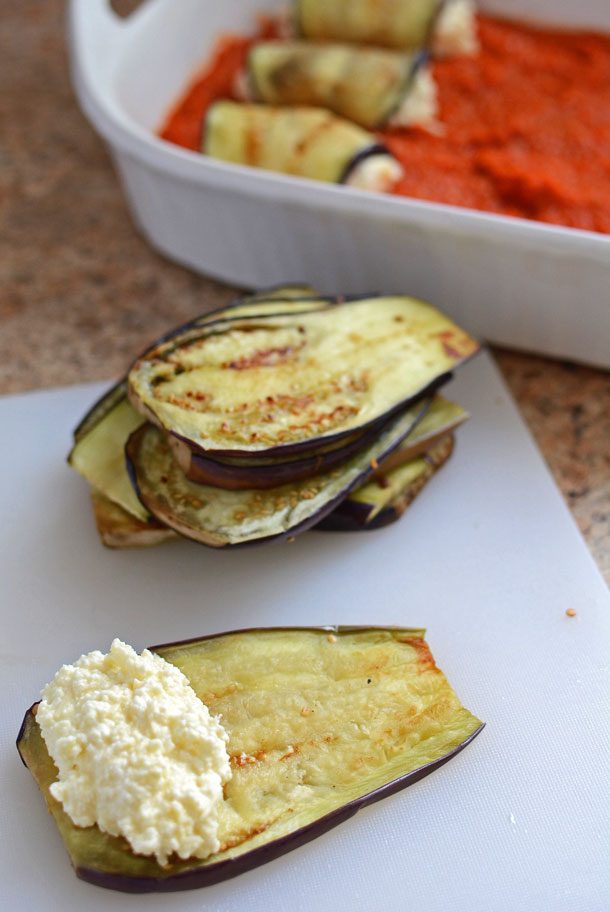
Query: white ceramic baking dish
x,y
521,284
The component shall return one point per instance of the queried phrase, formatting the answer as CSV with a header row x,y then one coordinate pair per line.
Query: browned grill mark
x,y
264,357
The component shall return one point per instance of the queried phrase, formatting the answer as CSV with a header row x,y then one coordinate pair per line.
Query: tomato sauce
x,y
526,124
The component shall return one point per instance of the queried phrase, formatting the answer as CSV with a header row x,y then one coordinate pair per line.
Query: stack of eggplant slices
x,y
309,101
283,411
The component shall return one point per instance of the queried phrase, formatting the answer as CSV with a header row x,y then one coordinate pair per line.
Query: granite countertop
x,y
82,290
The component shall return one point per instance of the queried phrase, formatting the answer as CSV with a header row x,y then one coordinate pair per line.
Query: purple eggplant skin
x,y
359,157
349,516
234,477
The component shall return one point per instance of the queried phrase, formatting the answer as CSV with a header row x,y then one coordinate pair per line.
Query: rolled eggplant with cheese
x,y
304,141
446,27
373,87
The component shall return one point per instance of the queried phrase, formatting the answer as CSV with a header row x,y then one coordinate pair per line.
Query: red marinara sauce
x,y
526,124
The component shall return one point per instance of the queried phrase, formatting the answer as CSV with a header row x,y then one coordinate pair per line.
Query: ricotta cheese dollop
x,y
137,752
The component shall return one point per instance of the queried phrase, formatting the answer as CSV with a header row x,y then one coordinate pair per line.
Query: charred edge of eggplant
x,y
360,156
270,290
232,867
420,59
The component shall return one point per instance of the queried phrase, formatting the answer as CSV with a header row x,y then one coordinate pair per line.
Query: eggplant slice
x,y
283,384
403,24
99,454
321,722
444,27
99,439
278,299
368,86
384,498
301,140
118,528
219,518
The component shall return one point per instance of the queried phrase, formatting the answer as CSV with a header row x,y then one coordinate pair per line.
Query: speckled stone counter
x,y
81,290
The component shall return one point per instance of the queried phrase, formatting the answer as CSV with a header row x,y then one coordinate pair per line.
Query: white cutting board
x,y
488,559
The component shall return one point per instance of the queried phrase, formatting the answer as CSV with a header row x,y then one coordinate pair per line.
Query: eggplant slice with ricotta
x,y
447,27
300,140
291,383
313,754
373,87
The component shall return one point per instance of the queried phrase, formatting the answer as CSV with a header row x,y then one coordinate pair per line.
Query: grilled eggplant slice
x,y
447,27
393,486
221,518
300,140
384,498
442,416
99,454
369,86
404,24
441,419
279,299
100,438
238,474
391,494
321,722
284,384
118,528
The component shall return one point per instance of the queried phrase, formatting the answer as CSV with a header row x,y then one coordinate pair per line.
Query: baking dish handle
x,y
95,30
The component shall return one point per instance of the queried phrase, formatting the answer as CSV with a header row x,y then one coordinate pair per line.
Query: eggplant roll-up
x,y
373,87
446,27
305,141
